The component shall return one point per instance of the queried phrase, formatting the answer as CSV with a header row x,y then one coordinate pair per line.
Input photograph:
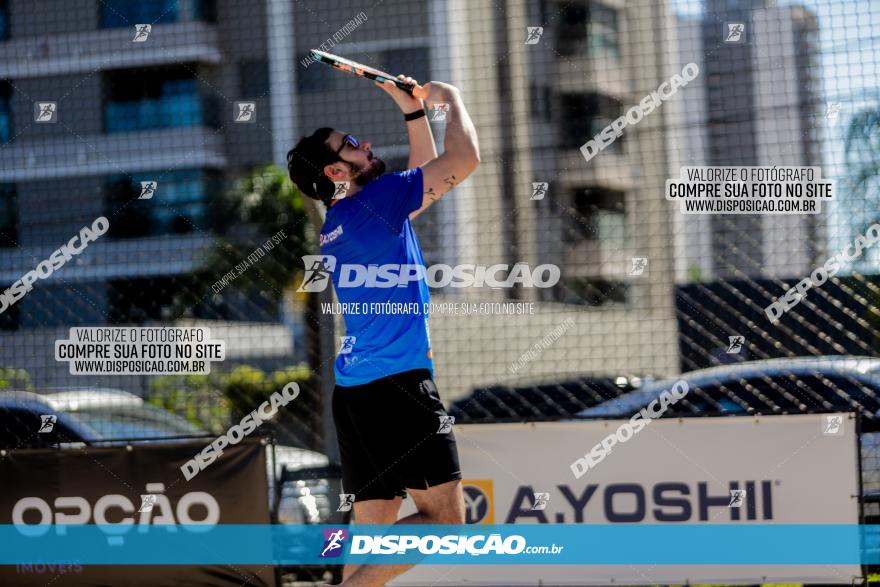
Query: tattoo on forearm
x,y
433,196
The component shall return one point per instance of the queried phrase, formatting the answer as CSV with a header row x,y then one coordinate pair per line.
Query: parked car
x,y
772,386
541,400
116,414
776,386
101,417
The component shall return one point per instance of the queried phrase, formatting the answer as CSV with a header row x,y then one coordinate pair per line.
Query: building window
x,y
5,112
253,78
4,20
597,214
586,115
180,203
604,40
573,29
8,216
593,292
134,301
127,13
155,98
589,29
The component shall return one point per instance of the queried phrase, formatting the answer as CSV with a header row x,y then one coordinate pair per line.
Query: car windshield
x,y
136,422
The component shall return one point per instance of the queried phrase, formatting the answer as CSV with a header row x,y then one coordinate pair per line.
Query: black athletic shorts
x,y
388,436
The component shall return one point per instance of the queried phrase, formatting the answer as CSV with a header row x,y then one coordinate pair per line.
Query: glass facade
x,y
179,203
8,214
159,98
597,214
4,20
603,32
5,112
589,29
127,13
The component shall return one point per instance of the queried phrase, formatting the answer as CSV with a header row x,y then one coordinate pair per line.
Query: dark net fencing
x,y
663,187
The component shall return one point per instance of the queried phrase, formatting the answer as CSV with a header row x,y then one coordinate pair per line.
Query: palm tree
x,y
262,204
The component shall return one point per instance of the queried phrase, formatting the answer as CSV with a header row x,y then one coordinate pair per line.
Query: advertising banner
x,y
717,472
127,491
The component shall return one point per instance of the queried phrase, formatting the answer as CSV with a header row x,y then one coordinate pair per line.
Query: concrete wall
x,y
471,351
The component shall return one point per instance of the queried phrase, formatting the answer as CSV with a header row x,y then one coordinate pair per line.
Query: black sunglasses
x,y
348,140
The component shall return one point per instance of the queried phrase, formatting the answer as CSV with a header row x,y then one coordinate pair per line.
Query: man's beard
x,y
369,172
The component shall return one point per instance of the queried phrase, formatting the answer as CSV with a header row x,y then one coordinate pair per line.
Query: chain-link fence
x,y
143,183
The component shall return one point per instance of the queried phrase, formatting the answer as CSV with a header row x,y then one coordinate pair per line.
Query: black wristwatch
x,y
414,115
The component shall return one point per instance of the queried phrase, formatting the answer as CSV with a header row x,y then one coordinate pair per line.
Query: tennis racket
x,y
359,69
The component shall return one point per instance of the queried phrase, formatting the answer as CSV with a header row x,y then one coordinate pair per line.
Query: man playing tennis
x,y
388,415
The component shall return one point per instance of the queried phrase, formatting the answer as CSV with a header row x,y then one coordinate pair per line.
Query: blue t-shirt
x,y
372,228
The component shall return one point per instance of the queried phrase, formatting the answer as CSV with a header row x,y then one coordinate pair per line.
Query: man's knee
x,y
445,506
377,511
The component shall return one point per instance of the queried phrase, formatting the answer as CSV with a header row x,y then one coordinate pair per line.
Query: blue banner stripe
x,y
565,543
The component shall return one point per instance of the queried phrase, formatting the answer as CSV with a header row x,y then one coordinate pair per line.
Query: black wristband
x,y
414,115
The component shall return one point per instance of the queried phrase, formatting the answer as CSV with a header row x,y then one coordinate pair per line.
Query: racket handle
x,y
415,90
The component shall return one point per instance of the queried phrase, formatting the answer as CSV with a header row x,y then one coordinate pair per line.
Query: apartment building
x,y
756,104
593,60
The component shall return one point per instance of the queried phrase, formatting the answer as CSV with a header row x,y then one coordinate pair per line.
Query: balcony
x,y
86,52
114,259
76,156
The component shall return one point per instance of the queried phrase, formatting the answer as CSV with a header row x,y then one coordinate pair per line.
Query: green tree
x,y
298,422
198,398
216,401
260,205
14,379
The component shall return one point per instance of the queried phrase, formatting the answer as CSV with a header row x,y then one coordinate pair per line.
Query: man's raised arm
x,y
461,153
421,140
